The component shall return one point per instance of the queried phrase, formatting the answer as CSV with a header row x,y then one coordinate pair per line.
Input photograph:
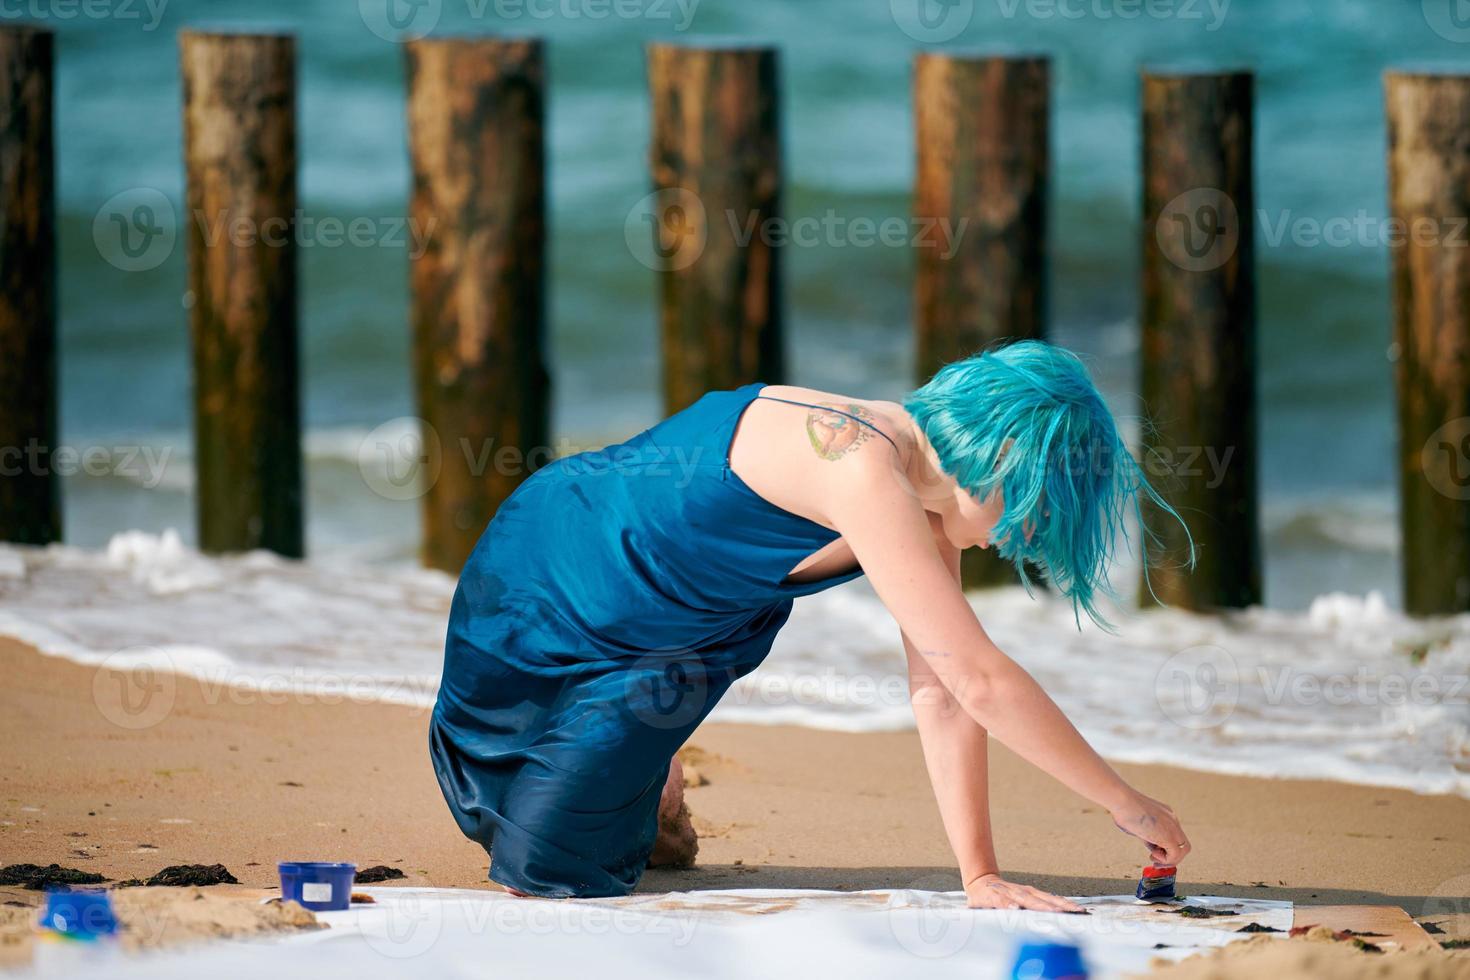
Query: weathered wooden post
x,y
716,163
30,493
240,163
1429,193
476,114
980,200
1199,335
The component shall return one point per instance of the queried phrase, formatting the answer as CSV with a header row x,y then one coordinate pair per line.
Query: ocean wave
x,y
1349,689
1356,522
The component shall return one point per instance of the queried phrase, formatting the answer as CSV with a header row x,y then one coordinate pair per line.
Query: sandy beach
x,y
203,774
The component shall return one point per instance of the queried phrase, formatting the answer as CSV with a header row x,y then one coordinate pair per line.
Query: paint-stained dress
x,y
611,602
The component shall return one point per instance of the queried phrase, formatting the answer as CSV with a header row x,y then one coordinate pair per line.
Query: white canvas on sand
x,y
424,932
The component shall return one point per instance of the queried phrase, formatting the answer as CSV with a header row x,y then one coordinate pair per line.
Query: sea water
x,y
1308,685
1326,405
1347,690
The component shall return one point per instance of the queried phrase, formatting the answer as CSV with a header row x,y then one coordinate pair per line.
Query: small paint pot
x,y
79,915
1049,961
322,886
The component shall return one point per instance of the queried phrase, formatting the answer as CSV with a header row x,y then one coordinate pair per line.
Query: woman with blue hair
x,y
618,594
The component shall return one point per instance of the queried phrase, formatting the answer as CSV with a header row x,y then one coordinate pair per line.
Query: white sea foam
x,y
1348,690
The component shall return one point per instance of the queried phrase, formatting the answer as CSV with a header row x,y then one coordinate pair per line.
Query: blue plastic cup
x,y
322,886
79,915
1048,961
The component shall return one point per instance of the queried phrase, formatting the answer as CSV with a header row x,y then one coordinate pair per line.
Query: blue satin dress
x,y
611,602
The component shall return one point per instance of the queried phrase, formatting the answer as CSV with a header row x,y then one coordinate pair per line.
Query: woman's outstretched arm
x,y
889,533
956,754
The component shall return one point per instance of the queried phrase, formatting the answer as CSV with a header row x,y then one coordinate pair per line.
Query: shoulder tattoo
x,y
833,430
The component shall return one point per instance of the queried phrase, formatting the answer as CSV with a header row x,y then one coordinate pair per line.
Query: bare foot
x,y
677,842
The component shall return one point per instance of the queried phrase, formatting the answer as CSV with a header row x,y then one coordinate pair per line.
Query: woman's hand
x,y
994,892
1156,825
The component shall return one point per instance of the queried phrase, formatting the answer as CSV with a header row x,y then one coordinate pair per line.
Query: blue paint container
x,y
322,886
79,915
1049,961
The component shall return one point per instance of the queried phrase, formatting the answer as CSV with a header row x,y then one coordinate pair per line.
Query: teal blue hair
x,y
1027,418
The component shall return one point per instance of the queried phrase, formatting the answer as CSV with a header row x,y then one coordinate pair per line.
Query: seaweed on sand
x,y
183,875
37,878
378,872
1200,912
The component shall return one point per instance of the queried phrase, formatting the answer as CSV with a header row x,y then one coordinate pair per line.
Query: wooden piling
x,y
1198,326
30,492
240,170
716,165
980,201
1429,195
980,205
476,114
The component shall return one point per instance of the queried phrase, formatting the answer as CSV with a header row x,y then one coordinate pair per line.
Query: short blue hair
x,y
1027,418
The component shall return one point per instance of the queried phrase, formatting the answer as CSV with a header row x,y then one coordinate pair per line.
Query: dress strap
x,y
835,411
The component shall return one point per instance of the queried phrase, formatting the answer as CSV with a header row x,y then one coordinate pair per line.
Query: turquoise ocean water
x,y
1327,432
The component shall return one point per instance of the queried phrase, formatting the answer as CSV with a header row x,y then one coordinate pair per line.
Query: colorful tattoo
x,y
834,434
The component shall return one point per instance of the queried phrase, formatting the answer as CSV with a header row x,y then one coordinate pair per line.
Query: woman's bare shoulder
x,y
803,458
888,417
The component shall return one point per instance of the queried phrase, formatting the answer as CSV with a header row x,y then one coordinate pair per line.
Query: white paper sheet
x,y
736,934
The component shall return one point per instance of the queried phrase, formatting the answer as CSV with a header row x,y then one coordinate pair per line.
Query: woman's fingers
x,y
1157,825
1171,854
1056,902
1011,896
1172,844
